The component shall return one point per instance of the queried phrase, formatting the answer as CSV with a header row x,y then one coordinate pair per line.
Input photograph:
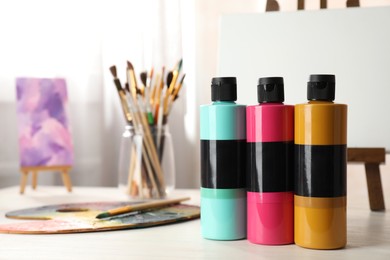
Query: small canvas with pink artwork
x,y
44,133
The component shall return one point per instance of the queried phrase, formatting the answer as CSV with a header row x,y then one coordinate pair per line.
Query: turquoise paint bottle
x,y
223,163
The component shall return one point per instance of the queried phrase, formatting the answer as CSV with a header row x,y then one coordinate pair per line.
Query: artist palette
x,y
81,217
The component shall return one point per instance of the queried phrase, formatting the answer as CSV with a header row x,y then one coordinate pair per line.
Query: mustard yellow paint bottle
x,y
320,167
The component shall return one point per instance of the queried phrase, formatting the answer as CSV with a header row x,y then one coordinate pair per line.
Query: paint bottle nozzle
x,y
270,90
321,87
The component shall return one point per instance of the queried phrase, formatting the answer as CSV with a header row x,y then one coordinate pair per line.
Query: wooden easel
x,y
35,169
371,157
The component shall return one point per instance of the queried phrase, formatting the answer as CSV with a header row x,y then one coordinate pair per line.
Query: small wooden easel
x,y
371,157
34,170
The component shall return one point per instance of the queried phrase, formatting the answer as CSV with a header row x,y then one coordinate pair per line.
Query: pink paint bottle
x,y
270,142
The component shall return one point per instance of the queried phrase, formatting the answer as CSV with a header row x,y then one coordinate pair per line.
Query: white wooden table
x,y
368,232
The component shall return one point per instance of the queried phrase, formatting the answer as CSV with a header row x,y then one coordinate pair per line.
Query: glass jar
x,y
146,163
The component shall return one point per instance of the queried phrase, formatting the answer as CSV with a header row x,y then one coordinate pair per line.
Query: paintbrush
x,y
163,93
142,124
160,115
144,77
176,73
150,78
134,180
153,88
122,96
146,95
169,79
148,149
175,93
159,95
153,96
177,89
172,84
168,93
132,78
140,206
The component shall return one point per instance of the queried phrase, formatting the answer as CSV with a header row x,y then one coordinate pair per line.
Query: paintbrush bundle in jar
x,y
146,168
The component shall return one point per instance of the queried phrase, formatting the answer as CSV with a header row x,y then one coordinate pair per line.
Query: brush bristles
x,y
103,215
113,71
129,65
144,77
182,78
169,78
180,64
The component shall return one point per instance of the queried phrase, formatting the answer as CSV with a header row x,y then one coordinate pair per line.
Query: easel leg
x,y
374,184
23,181
66,180
34,180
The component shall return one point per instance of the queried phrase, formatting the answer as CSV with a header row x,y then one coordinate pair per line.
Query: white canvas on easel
x,y
353,44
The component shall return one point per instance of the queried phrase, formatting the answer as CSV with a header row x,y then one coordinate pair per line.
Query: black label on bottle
x,y
270,166
223,163
320,170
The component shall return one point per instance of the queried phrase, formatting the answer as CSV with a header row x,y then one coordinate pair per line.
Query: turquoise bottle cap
x,y
224,89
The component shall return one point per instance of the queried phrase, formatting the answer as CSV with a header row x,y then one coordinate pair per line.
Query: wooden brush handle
x,y
147,205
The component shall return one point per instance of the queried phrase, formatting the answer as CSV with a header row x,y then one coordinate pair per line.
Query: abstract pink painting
x,y
44,134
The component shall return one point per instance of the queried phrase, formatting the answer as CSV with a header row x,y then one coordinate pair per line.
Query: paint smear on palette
x,y
44,133
80,217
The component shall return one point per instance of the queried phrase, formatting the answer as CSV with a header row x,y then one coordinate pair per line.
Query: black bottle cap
x,y
224,89
321,87
270,90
